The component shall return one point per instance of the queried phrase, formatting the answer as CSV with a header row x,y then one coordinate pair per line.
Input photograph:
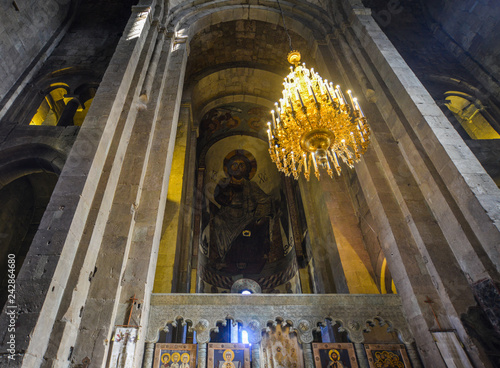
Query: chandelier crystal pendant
x,y
315,125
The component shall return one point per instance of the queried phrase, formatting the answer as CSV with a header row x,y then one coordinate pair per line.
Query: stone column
x,y
329,272
202,355
407,154
308,355
68,113
162,114
304,334
361,355
69,209
181,278
256,355
202,337
148,355
413,355
255,337
234,332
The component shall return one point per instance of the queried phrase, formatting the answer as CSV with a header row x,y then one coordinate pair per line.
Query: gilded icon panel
x,y
387,356
175,356
334,355
228,356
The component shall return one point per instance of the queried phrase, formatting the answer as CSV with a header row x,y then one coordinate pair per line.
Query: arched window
x,y
469,112
81,113
60,107
52,106
85,93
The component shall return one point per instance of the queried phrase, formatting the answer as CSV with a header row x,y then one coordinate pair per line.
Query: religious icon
x,y
185,360
175,356
244,218
334,355
175,360
228,359
387,356
165,360
228,356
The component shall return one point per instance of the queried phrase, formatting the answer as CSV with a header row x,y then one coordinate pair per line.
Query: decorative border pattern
x,y
302,313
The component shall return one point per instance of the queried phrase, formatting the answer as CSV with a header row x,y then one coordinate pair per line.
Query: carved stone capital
x,y
202,329
304,332
254,331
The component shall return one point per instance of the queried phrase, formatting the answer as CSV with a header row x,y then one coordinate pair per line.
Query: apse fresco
x,y
245,221
245,226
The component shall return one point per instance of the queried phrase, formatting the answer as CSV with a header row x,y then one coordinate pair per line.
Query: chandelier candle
x,y
314,124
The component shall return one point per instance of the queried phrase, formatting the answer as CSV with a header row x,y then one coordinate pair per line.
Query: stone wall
x,y
92,37
469,24
435,61
25,31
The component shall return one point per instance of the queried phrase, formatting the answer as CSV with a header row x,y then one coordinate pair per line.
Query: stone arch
x,y
235,85
27,159
306,24
52,105
307,20
446,86
235,98
470,112
75,80
28,175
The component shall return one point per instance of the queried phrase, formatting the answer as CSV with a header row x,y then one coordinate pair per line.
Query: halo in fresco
x,y
249,159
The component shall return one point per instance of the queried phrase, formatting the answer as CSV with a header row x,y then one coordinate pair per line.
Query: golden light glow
x,y
315,125
51,107
468,112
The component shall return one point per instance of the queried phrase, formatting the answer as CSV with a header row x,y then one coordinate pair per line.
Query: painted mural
x,y
239,117
245,225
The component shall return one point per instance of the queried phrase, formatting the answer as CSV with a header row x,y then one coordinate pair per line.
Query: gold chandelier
x,y
314,125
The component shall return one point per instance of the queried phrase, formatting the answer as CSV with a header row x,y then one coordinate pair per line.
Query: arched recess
x,y
56,96
235,85
51,108
475,115
63,106
469,112
27,159
245,220
306,19
221,72
27,181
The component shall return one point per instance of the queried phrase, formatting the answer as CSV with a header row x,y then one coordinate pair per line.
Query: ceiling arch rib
x,y
259,84
307,20
253,44
227,100
28,159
